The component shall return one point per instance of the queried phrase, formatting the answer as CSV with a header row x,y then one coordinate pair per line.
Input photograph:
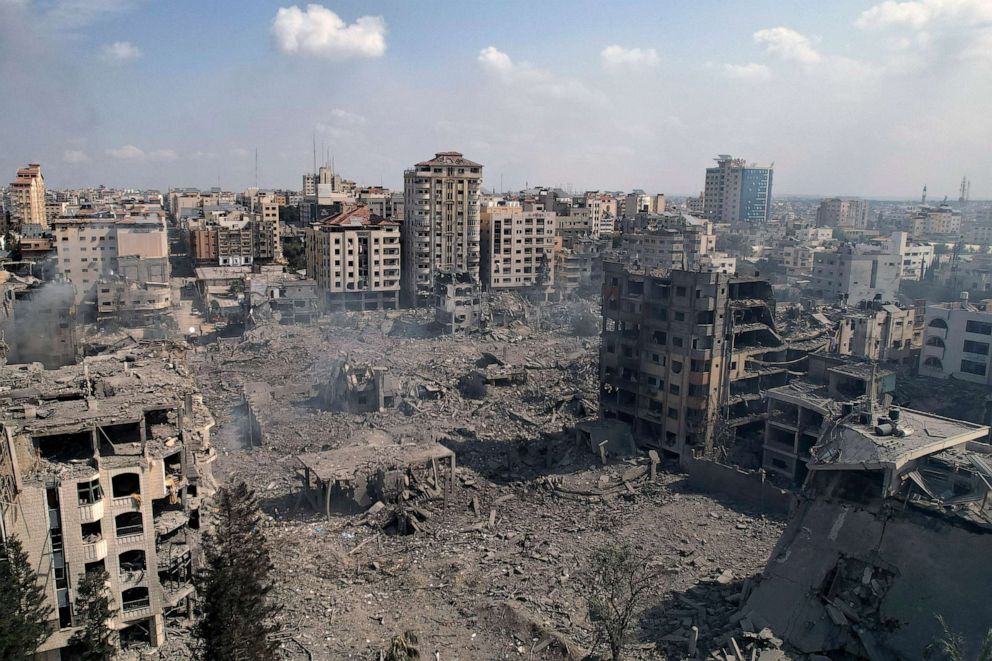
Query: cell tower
x,y
965,190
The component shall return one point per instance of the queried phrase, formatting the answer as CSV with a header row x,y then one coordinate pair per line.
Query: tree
x,y
238,616
618,583
950,647
95,641
24,612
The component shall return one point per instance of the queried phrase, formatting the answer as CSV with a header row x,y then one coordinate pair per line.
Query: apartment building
x,y
678,242
737,192
685,357
229,235
603,211
851,274
26,195
916,256
638,202
956,341
941,221
881,331
457,302
103,466
842,213
579,265
441,230
517,248
89,249
355,259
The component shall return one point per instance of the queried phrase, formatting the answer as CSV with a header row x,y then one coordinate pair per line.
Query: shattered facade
x,y
104,466
457,301
686,355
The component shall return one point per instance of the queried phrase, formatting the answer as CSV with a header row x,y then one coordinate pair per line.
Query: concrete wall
x,y
746,487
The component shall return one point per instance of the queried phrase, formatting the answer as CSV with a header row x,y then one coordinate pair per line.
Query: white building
x,y
851,274
957,341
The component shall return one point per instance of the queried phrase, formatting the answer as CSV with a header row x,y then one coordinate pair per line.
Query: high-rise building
x,y
838,212
517,247
736,192
855,273
355,259
27,197
441,229
685,356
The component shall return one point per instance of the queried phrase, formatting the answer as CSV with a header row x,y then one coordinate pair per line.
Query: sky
x,y
869,98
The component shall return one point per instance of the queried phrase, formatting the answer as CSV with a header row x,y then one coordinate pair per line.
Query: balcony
x,y
91,513
95,550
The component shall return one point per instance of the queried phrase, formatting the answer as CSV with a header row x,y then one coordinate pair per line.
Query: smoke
x,y
41,329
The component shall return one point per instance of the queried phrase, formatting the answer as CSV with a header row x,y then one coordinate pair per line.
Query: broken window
x,y
134,599
65,448
89,492
126,484
129,523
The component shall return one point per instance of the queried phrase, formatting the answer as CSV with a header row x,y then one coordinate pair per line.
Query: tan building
x,y
89,249
838,212
355,259
517,248
884,332
103,466
686,355
441,230
941,220
236,237
27,197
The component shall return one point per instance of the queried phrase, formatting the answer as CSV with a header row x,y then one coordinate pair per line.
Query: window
x,y
673,413
976,347
679,316
934,341
673,388
90,492
979,327
937,322
676,367
972,367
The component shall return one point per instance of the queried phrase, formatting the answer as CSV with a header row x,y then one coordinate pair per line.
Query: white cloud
x,y
121,51
318,31
75,156
752,71
528,79
132,153
619,58
787,44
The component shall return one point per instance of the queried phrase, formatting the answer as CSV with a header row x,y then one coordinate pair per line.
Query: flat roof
x,y
372,452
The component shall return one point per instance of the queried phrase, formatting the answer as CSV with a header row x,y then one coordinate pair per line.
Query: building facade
x,y
27,197
736,192
517,248
957,342
842,212
441,229
355,259
851,274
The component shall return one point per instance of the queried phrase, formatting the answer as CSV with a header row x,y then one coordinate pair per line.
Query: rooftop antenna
x,y
256,169
924,194
315,153
965,186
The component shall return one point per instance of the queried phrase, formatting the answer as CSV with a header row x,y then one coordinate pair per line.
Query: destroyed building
x,y
356,388
803,411
457,301
685,356
882,331
893,529
103,466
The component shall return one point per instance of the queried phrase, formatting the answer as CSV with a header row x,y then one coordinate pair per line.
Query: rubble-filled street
x,y
494,569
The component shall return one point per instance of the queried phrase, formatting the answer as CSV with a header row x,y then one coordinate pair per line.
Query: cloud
x,y
75,156
788,45
72,14
528,79
120,52
752,71
132,153
319,32
932,32
619,58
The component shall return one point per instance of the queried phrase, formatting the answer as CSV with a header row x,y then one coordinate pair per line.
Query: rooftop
x,y
450,158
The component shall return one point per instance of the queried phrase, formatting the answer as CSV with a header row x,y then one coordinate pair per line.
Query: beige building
x,y
838,212
884,332
27,197
441,230
517,248
89,249
103,466
355,259
934,221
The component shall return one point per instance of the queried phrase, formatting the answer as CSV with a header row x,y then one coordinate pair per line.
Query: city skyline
x,y
863,98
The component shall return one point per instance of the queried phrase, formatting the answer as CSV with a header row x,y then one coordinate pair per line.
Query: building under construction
x,y
685,356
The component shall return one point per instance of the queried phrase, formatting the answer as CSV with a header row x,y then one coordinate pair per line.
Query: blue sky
x,y
852,98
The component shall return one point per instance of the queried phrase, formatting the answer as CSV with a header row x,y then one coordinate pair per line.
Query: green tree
x,y
24,611
95,641
618,582
238,614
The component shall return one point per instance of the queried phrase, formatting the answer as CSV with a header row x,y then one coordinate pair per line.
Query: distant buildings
x,y
941,220
230,235
517,248
355,259
736,192
841,213
957,341
441,229
27,197
881,331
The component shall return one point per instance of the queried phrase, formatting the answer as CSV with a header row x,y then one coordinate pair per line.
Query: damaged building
x,y
893,529
356,388
457,301
685,356
103,466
